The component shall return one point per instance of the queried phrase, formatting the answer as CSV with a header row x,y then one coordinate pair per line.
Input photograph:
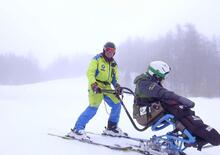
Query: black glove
x,y
118,89
96,88
186,102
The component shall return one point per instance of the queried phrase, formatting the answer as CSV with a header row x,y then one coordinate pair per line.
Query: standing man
x,y
101,73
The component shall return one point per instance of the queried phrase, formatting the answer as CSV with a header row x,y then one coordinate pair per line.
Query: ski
x,y
114,147
143,146
126,137
207,146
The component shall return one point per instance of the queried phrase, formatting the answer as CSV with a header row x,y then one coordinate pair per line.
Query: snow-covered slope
x,y
29,112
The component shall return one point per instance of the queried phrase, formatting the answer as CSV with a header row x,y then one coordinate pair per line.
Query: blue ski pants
x,y
90,112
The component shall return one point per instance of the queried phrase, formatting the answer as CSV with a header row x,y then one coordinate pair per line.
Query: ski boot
x,y
78,134
113,130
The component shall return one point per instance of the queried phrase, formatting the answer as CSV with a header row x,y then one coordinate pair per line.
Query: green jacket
x,y
103,72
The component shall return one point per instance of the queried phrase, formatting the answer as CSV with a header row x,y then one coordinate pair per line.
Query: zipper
x,y
109,73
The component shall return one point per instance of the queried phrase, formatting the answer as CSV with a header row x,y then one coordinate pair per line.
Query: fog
x,y
51,28
194,60
52,39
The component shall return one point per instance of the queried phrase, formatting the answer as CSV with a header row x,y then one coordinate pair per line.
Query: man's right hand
x,y
118,89
96,88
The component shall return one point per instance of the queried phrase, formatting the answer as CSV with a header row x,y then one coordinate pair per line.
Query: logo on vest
x,y
103,67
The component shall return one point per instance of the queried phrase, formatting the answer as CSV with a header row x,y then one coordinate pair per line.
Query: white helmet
x,y
158,68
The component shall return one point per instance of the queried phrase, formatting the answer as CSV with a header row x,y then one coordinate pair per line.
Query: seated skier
x,y
149,90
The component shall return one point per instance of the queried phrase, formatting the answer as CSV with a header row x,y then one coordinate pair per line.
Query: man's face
x,y
109,52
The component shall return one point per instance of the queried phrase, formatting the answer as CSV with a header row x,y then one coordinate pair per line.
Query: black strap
x,y
104,82
127,91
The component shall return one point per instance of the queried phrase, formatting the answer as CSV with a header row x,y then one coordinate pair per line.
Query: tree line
x,y
194,60
17,70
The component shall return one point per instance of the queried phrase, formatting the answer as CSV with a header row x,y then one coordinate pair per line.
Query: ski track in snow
x,y
29,112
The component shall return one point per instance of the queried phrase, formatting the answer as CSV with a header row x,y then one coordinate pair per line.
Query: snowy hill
x,y
29,112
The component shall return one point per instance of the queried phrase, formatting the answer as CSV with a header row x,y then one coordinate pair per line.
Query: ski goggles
x,y
109,49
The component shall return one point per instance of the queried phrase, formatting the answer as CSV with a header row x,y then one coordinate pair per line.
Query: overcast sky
x,y
51,28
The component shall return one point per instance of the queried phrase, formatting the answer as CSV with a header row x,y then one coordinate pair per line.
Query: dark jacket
x,y
149,89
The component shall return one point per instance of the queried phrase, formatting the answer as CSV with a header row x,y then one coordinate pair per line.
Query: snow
x,y
29,112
